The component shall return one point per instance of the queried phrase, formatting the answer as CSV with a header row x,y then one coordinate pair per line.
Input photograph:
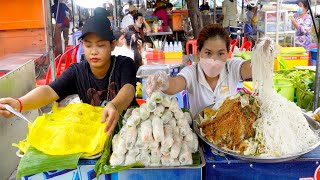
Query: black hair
x,y
117,34
55,1
134,46
213,31
136,16
169,5
305,4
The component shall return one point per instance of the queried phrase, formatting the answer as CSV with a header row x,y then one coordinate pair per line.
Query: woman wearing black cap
x,y
100,80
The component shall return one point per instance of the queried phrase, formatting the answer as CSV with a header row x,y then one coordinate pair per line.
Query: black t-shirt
x,y
79,79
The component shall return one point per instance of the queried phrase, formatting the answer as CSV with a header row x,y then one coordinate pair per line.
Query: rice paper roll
x,y
146,131
179,114
139,144
166,101
164,150
144,113
134,151
188,137
166,160
176,162
133,120
185,156
156,152
159,110
115,141
151,106
130,159
135,112
128,113
144,158
155,160
145,151
175,149
194,144
174,106
157,128
183,127
176,134
119,145
173,123
131,137
117,159
188,117
156,97
166,116
168,137
153,145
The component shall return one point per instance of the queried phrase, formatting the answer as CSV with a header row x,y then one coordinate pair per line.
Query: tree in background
x,y
195,16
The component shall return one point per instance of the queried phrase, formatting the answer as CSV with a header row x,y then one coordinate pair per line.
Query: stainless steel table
x,y
166,30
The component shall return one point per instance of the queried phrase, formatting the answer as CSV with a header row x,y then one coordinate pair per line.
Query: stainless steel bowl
x,y
312,123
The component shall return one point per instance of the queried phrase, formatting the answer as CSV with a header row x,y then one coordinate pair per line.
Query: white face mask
x,y
211,68
139,25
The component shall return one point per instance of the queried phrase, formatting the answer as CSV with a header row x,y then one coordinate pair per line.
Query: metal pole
x,y
214,11
50,35
115,10
45,24
72,13
279,2
317,78
312,17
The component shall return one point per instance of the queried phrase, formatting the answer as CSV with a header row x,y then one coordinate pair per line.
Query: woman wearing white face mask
x,y
302,22
139,25
212,79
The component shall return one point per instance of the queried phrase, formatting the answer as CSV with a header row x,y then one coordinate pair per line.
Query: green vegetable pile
x,y
304,82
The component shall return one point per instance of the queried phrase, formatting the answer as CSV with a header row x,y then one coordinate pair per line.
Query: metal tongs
x,y
13,111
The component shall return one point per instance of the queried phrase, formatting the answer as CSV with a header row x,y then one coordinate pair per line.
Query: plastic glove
x,y
157,81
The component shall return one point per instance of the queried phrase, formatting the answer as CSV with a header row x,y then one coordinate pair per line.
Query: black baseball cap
x,y
99,25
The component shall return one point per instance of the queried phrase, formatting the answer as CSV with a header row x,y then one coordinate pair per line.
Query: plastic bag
x,y
73,129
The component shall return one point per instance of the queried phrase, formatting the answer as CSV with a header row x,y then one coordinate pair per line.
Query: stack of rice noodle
x,y
156,134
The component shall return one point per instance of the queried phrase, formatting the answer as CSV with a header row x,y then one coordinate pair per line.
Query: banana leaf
x,y
34,161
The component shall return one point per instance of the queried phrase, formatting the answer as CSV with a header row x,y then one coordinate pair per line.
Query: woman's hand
x,y
157,81
110,115
10,101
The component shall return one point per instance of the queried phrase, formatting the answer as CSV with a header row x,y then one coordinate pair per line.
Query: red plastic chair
x,y
247,46
67,59
193,44
47,79
74,54
233,44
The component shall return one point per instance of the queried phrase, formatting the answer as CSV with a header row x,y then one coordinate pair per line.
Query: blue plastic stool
x,y
182,98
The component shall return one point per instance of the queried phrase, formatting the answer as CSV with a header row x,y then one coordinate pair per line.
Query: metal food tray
x,y
147,70
202,164
312,123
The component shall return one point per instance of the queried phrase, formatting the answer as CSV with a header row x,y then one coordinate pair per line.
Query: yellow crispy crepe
x,y
73,129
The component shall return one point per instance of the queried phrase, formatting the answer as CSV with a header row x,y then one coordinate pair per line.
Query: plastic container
x,y
313,53
284,87
173,55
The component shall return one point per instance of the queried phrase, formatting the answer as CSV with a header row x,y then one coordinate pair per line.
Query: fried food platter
x,y
312,123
